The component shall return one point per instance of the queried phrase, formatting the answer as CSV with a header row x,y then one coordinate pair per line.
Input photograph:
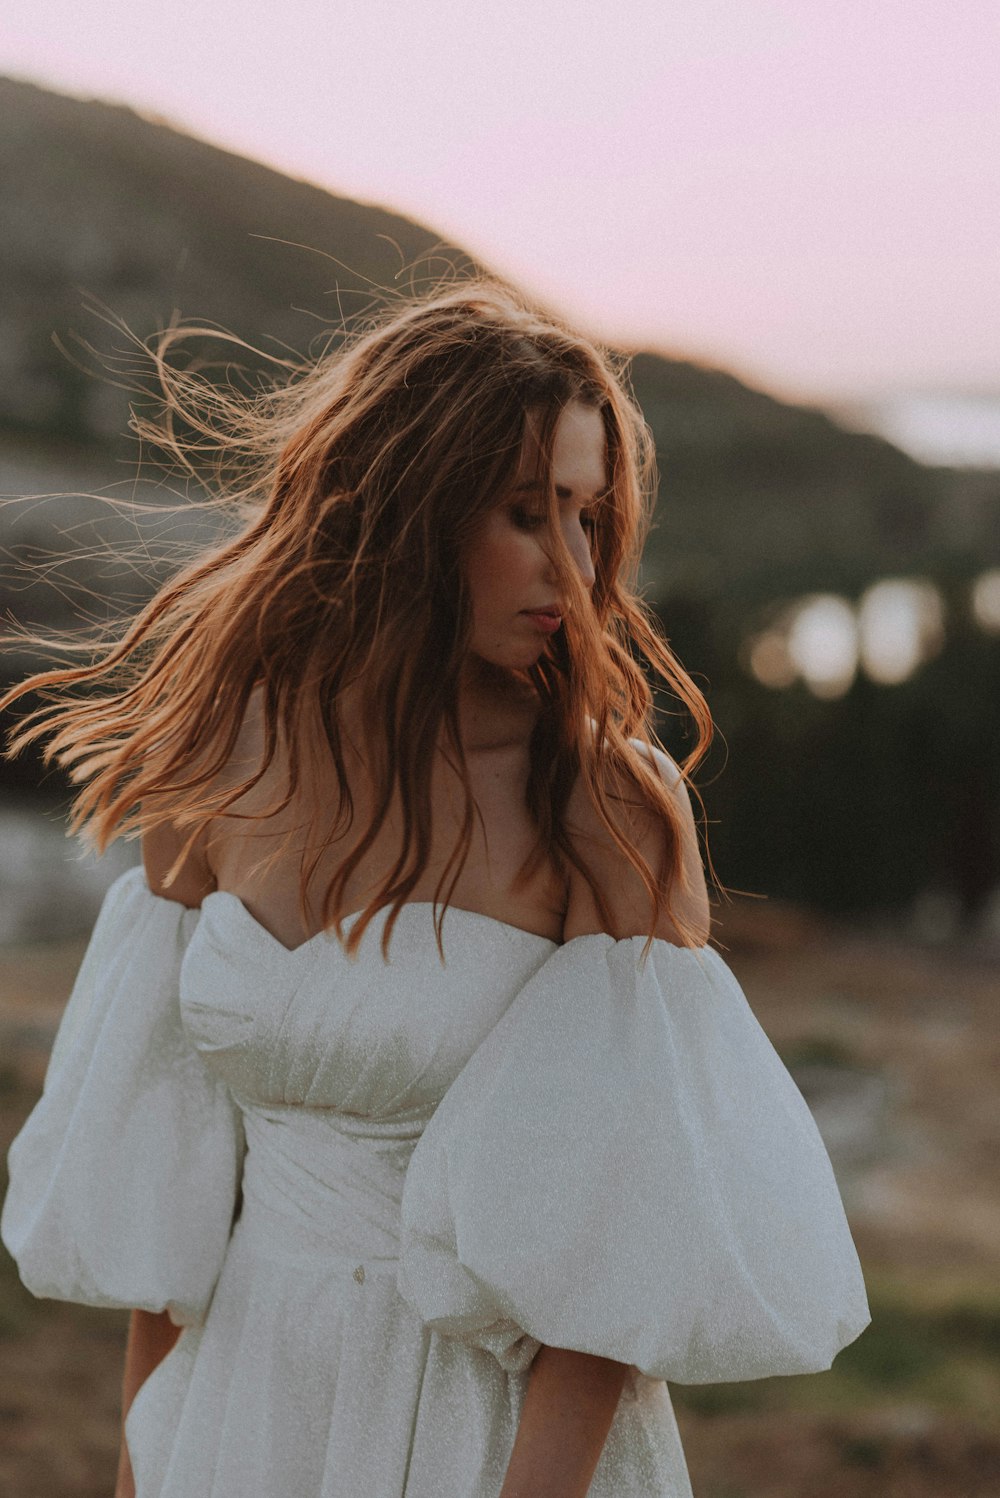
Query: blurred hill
x,y
761,501
771,498
98,201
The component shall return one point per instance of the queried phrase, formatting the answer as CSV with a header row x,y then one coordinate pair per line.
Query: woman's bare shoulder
x,y
644,827
163,842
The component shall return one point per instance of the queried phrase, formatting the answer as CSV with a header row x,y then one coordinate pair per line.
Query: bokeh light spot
x,y
986,600
900,625
823,644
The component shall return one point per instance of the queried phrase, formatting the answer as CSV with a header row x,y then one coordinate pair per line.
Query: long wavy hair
x,y
357,481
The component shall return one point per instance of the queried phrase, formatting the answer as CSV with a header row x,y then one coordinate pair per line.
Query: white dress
x,y
442,1167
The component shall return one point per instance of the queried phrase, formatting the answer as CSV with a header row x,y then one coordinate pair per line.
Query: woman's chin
x,y
496,668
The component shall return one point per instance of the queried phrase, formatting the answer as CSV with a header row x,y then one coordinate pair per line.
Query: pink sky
x,y
807,191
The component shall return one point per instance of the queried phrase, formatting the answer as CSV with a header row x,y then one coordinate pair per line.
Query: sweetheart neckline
x,y
407,905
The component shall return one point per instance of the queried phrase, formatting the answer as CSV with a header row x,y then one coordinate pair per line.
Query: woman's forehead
x,y
579,451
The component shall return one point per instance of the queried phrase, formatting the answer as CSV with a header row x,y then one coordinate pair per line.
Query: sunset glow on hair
x,y
358,481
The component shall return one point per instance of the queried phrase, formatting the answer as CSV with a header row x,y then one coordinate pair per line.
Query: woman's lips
x,y
547,623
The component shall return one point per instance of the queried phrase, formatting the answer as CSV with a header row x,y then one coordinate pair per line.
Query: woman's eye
x,y
527,520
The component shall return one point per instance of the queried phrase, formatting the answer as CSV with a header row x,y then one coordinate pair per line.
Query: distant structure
x,y
948,427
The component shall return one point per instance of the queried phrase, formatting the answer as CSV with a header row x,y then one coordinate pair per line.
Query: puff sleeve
x,y
625,1167
124,1178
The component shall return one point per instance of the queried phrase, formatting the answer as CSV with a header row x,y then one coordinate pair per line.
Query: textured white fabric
x,y
442,1167
123,1181
626,1168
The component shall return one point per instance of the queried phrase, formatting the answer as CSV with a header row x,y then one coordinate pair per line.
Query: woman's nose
x,y
579,544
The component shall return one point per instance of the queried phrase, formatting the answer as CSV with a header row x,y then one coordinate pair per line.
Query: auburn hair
x,y
356,480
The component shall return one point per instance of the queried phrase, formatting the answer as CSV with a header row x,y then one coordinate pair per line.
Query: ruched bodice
x,y
369,1191
337,1063
312,1026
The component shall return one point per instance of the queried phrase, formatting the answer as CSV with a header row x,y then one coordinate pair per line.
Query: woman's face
x,y
508,565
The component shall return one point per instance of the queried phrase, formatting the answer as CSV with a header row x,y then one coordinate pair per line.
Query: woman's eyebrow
x,y
536,485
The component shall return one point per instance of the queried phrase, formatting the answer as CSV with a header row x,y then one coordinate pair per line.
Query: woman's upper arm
x,y
621,885
160,847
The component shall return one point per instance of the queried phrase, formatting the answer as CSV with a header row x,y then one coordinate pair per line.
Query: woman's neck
x,y
497,708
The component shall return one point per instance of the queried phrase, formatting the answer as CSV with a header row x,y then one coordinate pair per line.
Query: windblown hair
x,y
358,481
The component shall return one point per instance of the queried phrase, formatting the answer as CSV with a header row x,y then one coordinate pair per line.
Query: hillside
x,y
99,202
767,498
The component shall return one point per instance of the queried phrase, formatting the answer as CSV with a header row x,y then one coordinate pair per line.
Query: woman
x,y
401,1077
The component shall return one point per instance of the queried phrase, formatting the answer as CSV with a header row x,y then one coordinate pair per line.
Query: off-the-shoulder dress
x,y
369,1191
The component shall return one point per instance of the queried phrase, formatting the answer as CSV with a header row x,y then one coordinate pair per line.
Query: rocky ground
x,y
897,1050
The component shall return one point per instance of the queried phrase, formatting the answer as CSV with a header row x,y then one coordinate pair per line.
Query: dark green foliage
x,y
818,1050
864,1451
861,803
905,1352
